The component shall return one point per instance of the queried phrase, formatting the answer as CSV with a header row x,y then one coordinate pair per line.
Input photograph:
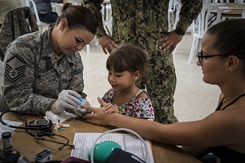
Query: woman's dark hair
x,y
66,5
229,37
127,57
78,16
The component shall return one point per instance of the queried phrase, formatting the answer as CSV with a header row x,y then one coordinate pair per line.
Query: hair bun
x,y
66,5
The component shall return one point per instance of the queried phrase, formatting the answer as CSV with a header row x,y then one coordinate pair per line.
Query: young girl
x,y
126,66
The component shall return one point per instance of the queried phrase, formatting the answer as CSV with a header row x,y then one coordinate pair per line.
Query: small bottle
x,y
7,141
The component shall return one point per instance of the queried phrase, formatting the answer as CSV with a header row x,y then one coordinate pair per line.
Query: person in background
x,y
45,12
6,6
44,71
145,24
126,66
222,60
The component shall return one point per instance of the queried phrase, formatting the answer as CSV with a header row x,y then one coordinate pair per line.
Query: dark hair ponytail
x,y
229,37
65,6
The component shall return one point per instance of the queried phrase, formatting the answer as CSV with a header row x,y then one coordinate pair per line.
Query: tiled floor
x,y
193,98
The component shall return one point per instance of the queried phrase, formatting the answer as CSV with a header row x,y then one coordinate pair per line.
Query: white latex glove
x,y
79,111
68,99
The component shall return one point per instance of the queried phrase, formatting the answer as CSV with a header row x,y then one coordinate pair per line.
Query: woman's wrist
x,y
53,107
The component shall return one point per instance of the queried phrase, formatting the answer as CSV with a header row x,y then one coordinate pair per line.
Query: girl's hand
x,y
98,115
108,107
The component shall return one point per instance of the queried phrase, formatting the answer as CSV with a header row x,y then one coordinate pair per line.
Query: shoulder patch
x,y
15,69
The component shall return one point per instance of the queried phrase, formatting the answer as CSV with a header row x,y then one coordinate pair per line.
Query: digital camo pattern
x,y
17,22
143,22
34,76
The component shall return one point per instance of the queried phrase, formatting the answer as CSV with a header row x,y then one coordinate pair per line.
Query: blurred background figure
x,y
6,6
45,12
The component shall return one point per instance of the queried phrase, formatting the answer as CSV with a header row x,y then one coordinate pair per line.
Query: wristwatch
x,y
180,31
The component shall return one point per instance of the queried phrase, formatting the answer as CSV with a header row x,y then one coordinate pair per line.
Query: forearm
x,y
190,9
177,133
145,128
25,101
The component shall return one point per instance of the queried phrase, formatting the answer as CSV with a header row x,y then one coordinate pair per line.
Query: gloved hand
x,y
79,111
68,99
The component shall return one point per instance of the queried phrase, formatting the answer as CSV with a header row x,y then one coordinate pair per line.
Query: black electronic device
x,y
37,128
40,123
43,156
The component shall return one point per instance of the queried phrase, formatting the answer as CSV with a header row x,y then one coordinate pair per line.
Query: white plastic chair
x,y
40,24
173,13
171,9
106,13
57,7
204,20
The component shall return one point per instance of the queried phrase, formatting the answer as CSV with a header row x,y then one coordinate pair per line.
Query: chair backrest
x,y
17,22
174,8
178,5
206,18
33,4
41,24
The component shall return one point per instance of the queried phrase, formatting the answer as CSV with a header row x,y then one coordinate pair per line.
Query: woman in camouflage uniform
x,y
44,71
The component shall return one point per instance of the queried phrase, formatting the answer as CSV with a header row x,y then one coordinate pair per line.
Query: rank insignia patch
x,y
15,69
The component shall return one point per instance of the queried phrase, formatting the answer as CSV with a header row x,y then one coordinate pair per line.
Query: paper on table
x,y
84,141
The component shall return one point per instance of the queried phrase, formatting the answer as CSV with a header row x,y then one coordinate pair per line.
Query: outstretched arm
x,y
217,129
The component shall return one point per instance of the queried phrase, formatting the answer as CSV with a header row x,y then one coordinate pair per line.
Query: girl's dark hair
x,y
229,37
78,16
127,57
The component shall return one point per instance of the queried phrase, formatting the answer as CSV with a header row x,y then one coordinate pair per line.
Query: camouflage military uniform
x,y
34,75
142,22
